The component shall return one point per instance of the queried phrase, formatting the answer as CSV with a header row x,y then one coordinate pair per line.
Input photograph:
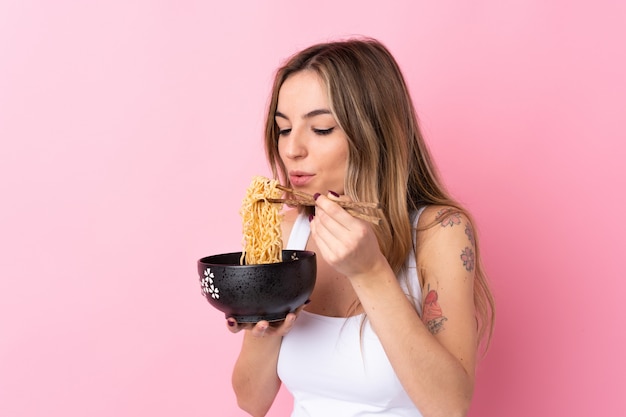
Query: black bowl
x,y
251,293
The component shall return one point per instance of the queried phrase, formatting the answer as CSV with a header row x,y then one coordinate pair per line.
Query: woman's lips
x,y
300,179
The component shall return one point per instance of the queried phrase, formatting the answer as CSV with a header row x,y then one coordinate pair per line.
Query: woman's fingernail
x,y
333,193
316,195
311,217
231,323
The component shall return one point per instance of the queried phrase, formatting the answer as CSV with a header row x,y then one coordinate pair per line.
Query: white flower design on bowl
x,y
207,284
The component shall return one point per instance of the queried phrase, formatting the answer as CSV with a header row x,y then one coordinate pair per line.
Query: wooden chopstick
x,y
305,199
309,199
350,206
291,202
355,205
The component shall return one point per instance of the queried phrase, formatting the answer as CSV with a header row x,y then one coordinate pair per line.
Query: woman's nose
x,y
295,146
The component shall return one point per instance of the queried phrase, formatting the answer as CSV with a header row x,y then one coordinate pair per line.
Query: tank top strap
x,y
299,233
411,262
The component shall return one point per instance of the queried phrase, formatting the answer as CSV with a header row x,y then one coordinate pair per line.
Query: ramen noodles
x,y
262,237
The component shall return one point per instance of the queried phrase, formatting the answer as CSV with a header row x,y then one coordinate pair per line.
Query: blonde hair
x,y
388,160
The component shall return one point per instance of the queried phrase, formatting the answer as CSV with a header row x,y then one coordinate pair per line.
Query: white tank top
x,y
331,369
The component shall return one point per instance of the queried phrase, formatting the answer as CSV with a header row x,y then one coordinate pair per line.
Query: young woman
x,y
399,310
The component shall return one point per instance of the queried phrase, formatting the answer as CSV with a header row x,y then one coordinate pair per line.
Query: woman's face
x,y
311,145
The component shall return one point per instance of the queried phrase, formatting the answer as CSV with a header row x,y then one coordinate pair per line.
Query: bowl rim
x,y
205,260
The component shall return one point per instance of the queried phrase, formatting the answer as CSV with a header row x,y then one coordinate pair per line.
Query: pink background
x,y
130,129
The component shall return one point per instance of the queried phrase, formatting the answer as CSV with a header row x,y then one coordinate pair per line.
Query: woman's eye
x,y
323,131
283,132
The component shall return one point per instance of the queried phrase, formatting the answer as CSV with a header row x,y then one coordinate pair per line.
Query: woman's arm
x,y
436,365
255,379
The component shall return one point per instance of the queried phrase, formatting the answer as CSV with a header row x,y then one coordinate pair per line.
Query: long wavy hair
x,y
388,160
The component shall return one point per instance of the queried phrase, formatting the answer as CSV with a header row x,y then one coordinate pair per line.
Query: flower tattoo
x,y
432,316
448,220
470,234
467,256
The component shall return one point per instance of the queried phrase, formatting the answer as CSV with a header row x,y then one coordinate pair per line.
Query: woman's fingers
x,y
345,242
332,215
235,327
337,224
265,328
260,328
331,226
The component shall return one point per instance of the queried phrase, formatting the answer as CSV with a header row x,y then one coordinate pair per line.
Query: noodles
x,y
262,237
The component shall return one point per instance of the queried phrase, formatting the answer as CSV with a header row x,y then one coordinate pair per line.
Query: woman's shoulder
x,y
440,215
445,244
441,229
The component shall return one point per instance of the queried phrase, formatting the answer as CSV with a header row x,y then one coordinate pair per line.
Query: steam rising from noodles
x,y
262,237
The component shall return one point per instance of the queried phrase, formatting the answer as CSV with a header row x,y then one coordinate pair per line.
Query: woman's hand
x,y
264,328
348,244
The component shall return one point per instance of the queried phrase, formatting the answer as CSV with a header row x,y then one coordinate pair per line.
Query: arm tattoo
x,y
470,234
467,256
432,316
449,220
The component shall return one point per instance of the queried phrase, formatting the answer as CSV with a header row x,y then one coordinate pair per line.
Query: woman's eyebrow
x,y
314,113
308,115
279,114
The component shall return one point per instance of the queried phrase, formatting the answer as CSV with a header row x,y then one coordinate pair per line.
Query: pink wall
x,y
130,129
